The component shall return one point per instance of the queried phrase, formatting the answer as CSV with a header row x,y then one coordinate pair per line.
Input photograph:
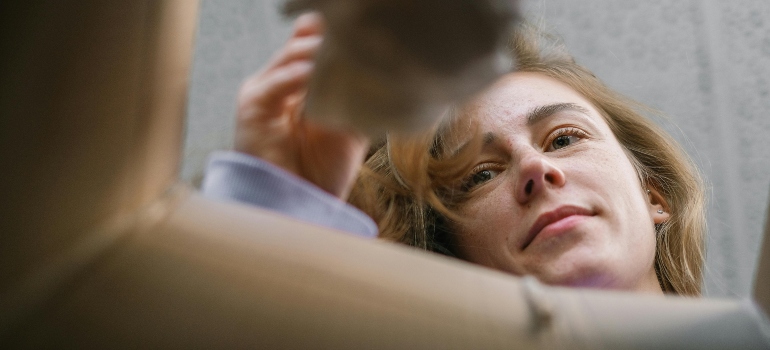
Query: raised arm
x,y
282,161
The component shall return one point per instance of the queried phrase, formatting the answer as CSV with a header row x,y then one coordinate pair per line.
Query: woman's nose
x,y
537,173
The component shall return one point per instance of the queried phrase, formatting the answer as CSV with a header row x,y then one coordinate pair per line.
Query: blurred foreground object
x,y
762,277
398,64
103,248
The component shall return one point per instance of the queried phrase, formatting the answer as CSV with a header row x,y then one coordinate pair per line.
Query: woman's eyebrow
x,y
541,112
489,138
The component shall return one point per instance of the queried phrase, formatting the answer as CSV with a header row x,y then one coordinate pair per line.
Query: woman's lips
x,y
555,222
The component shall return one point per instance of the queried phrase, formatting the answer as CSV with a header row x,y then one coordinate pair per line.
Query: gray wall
x,y
705,63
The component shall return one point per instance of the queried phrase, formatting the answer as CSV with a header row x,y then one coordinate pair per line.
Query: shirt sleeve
x,y
240,177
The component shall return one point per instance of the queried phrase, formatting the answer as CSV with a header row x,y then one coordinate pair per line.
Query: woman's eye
x,y
480,177
564,141
564,138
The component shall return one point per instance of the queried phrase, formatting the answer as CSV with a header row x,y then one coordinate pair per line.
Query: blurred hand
x,y
270,122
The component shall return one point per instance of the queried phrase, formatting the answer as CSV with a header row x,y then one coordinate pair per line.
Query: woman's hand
x,y
270,123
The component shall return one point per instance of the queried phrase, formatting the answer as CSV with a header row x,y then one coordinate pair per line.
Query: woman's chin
x,y
590,281
579,273
594,278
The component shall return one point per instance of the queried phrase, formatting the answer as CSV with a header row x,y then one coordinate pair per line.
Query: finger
x,y
270,91
304,43
295,49
310,23
295,106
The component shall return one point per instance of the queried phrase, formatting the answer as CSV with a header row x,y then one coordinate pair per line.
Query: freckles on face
x,y
489,243
552,192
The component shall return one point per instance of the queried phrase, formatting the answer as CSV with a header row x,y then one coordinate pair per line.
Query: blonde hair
x,y
407,182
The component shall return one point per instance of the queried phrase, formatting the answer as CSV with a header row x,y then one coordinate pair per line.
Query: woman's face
x,y
553,194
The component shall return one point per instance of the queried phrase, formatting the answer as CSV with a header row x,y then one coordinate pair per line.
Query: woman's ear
x,y
658,206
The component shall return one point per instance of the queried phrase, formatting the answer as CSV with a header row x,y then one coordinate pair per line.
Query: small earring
x,y
648,191
660,211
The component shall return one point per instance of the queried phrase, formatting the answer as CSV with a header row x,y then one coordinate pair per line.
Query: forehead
x,y
508,101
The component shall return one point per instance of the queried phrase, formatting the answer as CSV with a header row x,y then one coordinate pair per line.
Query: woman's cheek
x,y
487,217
